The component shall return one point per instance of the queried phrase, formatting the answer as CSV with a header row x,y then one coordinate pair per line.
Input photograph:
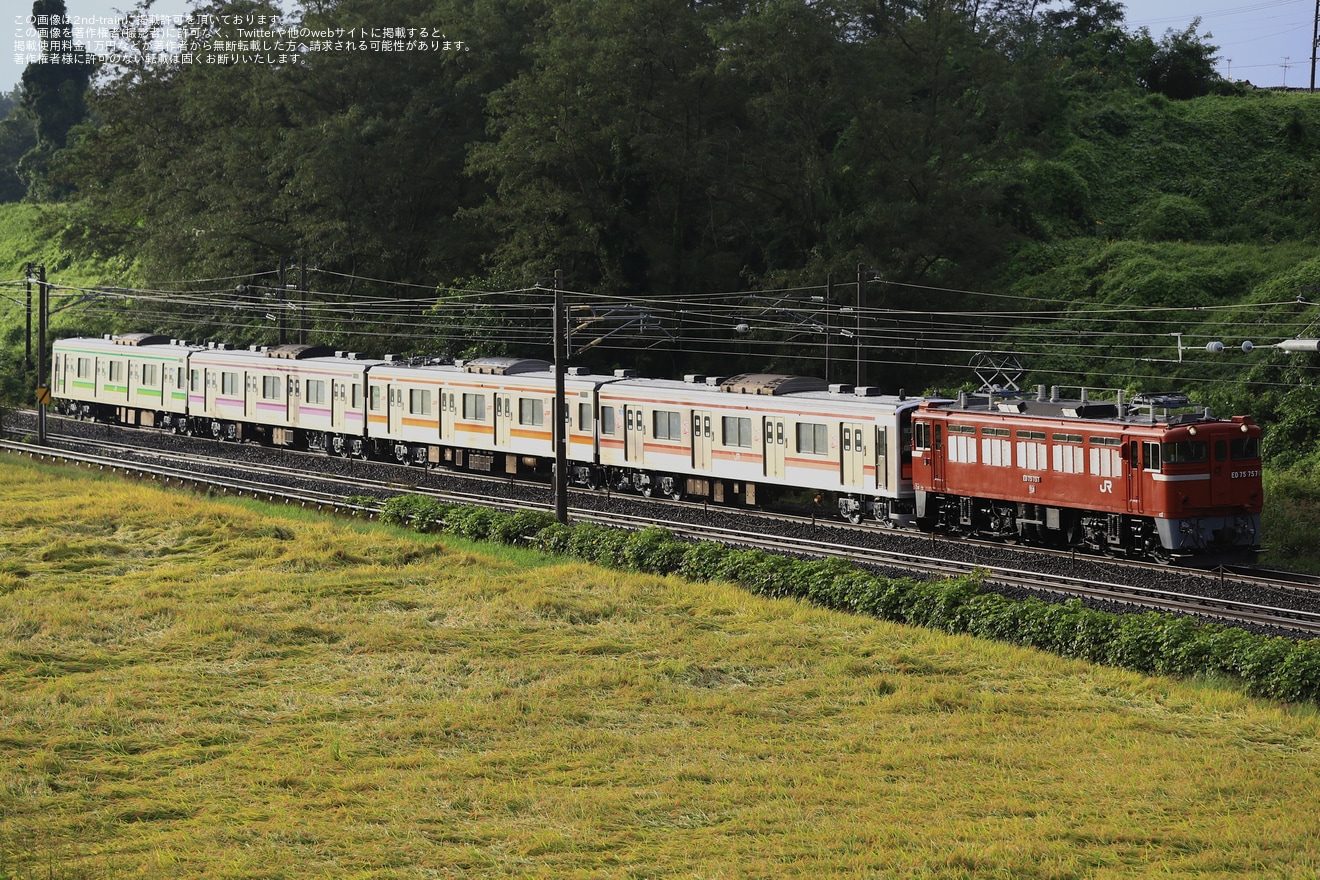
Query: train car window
x,y
814,439
229,383
474,407
779,433
585,421
178,377
1150,456
375,398
607,420
737,431
116,371
666,425
1185,452
270,387
922,435
419,400
1246,448
1221,450
196,377
151,375
357,396
707,426
628,418
939,438
316,391
531,412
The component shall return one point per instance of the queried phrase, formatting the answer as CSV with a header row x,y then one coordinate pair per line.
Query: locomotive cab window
x,y
921,435
1150,456
1185,452
1246,448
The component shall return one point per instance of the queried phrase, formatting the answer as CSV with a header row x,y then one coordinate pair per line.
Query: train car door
x,y
937,456
701,441
634,423
852,455
881,458
294,388
134,381
1146,494
775,446
211,378
338,403
503,418
252,393
394,403
448,412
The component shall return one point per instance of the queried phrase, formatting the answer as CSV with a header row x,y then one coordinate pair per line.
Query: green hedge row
x,y
1272,667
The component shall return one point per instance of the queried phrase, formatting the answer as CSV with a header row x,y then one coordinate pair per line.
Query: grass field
x,y
197,687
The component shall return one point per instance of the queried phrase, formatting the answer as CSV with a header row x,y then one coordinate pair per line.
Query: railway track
x,y
362,495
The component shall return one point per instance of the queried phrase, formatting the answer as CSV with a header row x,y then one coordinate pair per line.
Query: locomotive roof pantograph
x,y
1169,408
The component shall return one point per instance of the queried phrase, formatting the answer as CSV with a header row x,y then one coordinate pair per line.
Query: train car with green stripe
x,y
128,379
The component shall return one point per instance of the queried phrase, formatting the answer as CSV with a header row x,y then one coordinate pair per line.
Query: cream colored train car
x,y
288,395
487,414
132,379
732,439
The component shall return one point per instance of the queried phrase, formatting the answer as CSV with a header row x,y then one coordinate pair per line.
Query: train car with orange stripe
x,y
736,439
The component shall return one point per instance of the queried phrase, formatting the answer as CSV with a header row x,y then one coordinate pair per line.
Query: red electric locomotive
x,y
1154,476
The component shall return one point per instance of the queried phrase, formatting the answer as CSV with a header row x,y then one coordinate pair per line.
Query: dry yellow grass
x,y
202,688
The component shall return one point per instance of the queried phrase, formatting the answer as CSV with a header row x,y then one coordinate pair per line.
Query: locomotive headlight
x,y
1244,429
1192,431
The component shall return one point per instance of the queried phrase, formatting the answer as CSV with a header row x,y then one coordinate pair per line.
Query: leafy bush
x,y
1172,218
654,551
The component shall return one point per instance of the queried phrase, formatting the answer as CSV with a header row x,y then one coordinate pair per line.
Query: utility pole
x,y
302,300
829,300
559,326
27,351
1315,40
42,374
284,299
861,297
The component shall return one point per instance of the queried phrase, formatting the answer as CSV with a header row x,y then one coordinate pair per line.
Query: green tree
x,y
1183,65
53,89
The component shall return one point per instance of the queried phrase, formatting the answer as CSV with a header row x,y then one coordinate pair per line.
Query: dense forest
x,y
736,184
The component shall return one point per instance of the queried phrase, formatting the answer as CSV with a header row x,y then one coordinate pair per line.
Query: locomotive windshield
x,y
1245,448
1185,452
